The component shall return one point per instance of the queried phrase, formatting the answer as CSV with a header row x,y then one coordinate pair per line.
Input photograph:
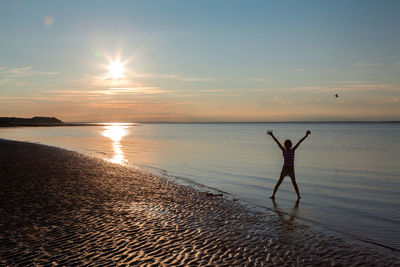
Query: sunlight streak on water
x,y
115,133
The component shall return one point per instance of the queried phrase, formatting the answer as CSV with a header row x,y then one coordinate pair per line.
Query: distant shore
x,y
50,124
39,122
63,208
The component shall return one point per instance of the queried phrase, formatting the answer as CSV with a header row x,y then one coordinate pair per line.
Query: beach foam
x,y
65,208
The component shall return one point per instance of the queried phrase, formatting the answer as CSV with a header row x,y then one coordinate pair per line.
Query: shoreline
x,y
66,208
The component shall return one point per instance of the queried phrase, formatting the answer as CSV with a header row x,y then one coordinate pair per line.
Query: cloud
x,y
194,79
215,93
323,70
112,91
169,76
367,87
278,101
104,82
134,90
153,75
122,104
365,65
24,71
256,79
126,85
309,88
385,101
47,72
30,99
349,86
351,82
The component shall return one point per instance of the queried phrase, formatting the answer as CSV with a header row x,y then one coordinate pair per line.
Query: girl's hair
x,y
288,144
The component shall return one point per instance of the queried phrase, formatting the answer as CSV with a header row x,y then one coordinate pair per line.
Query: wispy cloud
x,y
368,87
98,81
133,90
351,82
349,86
194,79
323,70
276,100
29,70
71,92
56,99
47,72
122,104
169,76
216,93
22,70
365,64
258,79
112,91
386,101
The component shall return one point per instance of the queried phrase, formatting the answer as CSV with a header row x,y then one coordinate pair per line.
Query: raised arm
x,y
269,132
301,140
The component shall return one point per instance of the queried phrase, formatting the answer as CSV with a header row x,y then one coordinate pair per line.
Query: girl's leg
x,y
293,177
277,185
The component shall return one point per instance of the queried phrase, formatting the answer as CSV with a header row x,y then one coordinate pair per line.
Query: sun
x,y
116,69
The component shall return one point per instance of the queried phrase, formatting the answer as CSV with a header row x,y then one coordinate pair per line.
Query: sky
x,y
193,61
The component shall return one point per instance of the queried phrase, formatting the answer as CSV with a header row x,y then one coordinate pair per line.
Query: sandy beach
x,y
60,207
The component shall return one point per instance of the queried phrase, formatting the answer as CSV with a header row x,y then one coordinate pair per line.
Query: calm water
x,y
348,173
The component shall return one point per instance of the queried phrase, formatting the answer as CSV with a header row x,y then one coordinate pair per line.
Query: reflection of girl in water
x,y
288,163
288,222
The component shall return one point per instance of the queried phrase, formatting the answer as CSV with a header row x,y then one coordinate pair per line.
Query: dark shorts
x,y
287,171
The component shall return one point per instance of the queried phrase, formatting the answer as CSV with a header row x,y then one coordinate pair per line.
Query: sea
x,y
348,173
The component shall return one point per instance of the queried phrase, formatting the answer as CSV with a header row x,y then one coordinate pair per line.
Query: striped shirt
x,y
288,158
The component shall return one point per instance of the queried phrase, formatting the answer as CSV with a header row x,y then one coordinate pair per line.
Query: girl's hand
x,y
308,132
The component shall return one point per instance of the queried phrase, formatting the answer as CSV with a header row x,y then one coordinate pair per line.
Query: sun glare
x,y
116,69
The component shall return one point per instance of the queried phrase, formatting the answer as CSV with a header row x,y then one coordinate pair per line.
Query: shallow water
x,y
348,173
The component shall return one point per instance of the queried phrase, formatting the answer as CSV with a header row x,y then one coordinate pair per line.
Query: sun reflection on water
x,y
115,132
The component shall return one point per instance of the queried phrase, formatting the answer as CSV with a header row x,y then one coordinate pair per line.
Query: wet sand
x,y
62,208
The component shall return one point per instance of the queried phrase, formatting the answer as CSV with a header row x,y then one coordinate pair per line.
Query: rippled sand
x,y
62,208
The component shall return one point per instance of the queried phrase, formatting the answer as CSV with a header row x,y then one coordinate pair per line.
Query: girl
x,y
288,162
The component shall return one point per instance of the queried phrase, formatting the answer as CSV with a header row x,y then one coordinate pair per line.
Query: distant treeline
x,y
35,121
